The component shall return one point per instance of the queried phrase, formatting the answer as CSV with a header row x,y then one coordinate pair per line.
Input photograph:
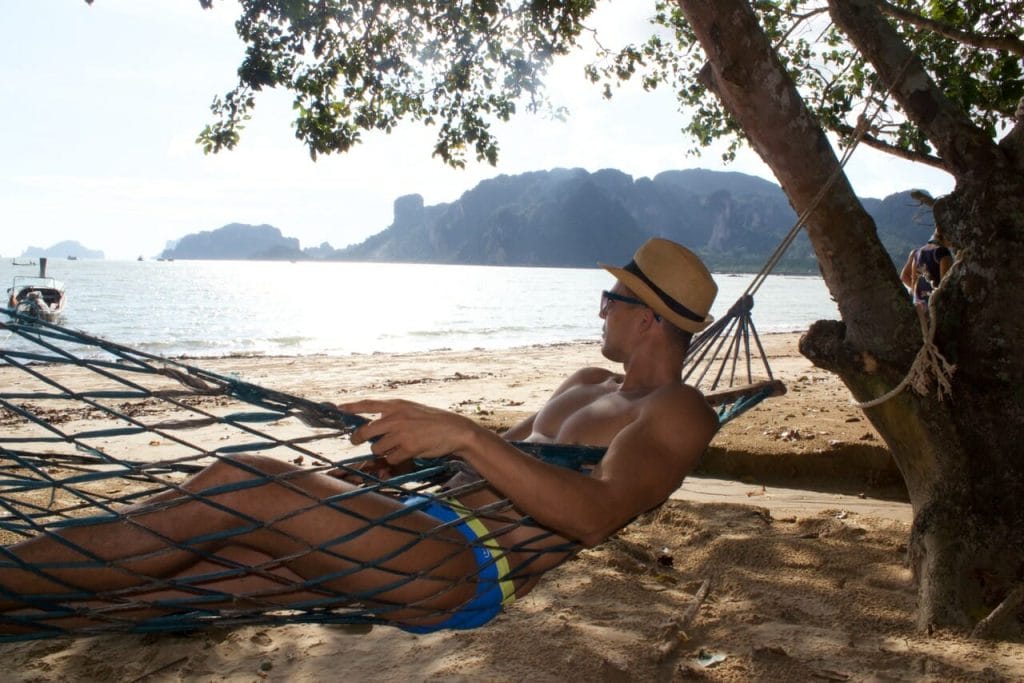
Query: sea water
x,y
215,308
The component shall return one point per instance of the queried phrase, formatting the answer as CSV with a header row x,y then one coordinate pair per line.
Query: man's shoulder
x,y
682,400
585,377
592,375
681,391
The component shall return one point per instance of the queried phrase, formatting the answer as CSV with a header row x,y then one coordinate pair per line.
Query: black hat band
x,y
674,305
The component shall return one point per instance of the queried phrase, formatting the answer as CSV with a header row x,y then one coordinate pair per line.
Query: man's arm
x,y
907,274
521,431
644,463
945,263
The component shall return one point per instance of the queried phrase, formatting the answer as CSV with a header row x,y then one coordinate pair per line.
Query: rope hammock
x,y
75,453
63,477
58,474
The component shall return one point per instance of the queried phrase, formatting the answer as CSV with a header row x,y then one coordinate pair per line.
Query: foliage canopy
x,y
972,49
362,65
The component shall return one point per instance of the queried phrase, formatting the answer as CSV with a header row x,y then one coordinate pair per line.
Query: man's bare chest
x,y
590,414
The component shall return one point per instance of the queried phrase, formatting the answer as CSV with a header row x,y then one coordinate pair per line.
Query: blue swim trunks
x,y
492,588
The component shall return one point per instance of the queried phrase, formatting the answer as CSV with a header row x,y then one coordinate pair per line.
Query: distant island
x,y
236,241
571,217
66,249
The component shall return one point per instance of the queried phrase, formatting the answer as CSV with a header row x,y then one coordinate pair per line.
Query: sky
x,y
100,107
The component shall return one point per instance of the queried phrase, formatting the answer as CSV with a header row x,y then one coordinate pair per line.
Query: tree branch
x,y
799,20
961,144
1005,43
755,89
674,633
1013,142
889,148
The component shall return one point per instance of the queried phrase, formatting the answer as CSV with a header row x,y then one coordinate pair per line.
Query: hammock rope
x,y
930,367
735,330
57,476
720,362
730,336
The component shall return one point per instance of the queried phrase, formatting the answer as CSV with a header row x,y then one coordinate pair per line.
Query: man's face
x,y
618,306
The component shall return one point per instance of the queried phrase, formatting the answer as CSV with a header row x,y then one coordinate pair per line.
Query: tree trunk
x,y
958,457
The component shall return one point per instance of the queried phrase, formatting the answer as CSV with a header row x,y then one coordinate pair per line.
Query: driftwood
x,y
674,634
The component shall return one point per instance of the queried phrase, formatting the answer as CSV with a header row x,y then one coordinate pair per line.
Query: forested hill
x,y
569,217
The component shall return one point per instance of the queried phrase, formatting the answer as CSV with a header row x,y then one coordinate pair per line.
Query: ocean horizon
x,y
223,308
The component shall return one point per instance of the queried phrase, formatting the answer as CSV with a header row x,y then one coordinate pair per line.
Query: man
x,y
253,532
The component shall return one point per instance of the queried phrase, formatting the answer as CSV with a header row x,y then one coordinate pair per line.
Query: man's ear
x,y
648,319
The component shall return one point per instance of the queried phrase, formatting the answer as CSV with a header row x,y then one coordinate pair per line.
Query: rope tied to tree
x,y
930,366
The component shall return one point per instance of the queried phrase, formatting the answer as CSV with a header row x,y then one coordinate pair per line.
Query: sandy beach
x,y
782,558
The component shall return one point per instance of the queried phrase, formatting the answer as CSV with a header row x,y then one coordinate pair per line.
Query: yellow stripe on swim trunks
x,y
508,589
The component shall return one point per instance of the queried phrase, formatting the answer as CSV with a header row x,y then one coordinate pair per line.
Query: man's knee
x,y
244,467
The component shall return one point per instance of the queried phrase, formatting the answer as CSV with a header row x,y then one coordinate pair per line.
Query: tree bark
x,y
958,457
967,544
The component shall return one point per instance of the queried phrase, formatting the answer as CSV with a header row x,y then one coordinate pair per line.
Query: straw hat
x,y
672,280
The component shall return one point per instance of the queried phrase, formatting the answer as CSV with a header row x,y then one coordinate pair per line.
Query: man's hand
x,y
407,430
369,470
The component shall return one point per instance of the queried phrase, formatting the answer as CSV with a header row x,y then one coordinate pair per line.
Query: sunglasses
x,y
608,297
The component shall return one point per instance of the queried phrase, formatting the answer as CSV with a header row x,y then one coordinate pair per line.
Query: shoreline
x,y
247,355
198,359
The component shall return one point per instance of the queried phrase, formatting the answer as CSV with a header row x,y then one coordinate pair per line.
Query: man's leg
x,y
340,547
236,579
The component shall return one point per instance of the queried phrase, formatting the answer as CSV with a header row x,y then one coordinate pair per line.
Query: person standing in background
x,y
925,268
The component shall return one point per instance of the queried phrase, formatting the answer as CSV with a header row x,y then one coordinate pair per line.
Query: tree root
x,y
998,619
